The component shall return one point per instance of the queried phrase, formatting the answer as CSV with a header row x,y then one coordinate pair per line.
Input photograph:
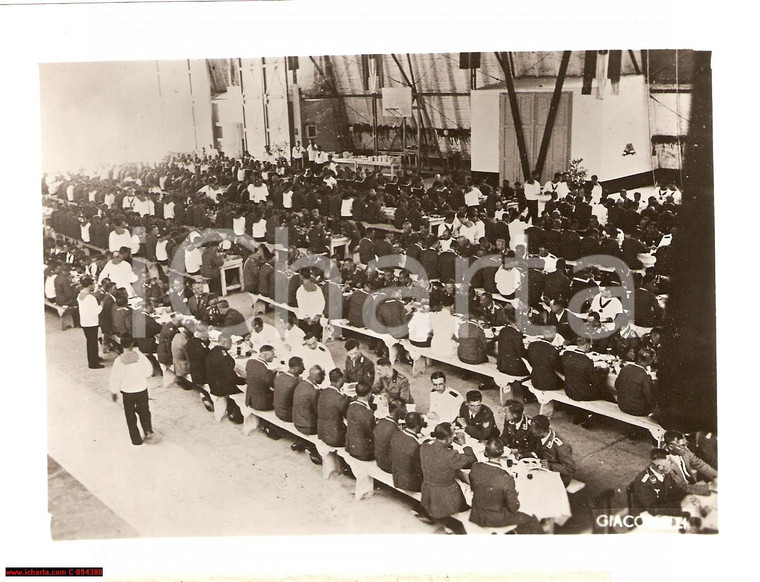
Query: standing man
x,y
129,376
441,495
532,191
297,156
89,312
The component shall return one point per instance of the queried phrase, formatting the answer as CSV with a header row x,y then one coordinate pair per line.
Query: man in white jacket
x,y
129,376
89,310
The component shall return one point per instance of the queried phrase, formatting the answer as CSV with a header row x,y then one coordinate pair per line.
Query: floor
x,y
203,478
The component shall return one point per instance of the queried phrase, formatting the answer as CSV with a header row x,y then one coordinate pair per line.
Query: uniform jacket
x,y
545,361
305,398
511,351
356,307
165,337
494,497
391,314
384,431
482,426
197,352
405,461
558,454
360,437
472,348
397,386
634,390
441,495
331,414
517,435
363,370
284,386
259,393
579,376
220,371
656,494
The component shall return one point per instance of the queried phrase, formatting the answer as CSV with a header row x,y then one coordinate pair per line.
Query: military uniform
x,y
482,426
517,435
657,493
445,405
405,461
284,386
360,438
260,379
397,386
383,433
305,398
494,499
362,370
558,454
441,495
331,413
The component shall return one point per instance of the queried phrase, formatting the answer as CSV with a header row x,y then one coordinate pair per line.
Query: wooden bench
x,y
601,407
386,338
366,473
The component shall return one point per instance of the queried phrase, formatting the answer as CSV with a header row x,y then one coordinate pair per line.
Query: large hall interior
x,y
364,292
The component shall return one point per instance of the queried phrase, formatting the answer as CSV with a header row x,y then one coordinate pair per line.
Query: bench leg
x,y
330,465
250,422
547,408
365,487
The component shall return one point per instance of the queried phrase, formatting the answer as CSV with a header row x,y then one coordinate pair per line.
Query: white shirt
x,y
310,303
85,228
129,202
193,260
346,207
596,193
445,326
311,152
161,250
116,240
121,274
319,356
532,191
258,193
168,210
130,373
144,207
600,211
259,229
50,287
472,198
607,309
238,225
470,233
297,152
445,405
267,336
507,280
88,310
550,263
480,230
70,192
517,233
330,181
211,192
293,338
287,199
109,199
419,326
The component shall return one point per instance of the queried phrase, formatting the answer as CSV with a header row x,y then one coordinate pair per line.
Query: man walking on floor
x,y
89,312
129,376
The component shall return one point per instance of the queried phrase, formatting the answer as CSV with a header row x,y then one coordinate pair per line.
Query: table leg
x,y
223,277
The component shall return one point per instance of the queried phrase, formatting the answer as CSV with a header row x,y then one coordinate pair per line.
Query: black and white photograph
x,y
341,291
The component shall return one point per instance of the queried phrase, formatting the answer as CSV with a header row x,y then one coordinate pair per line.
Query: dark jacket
x,y
164,349
441,495
559,456
392,315
494,497
197,352
517,435
482,426
556,285
356,306
545,361
259,394
331,413
634,390
220,371
647,310
405,461
655,496
473,348
360,437
284,386
511,351
363,370
580,380
305,398
383,433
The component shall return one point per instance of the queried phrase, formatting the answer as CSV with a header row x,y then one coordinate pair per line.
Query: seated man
x,y
445,402
305,398
476,418
555,453
633,386
472,347
687,468
582,380
222,378
545,361
360,425
359,368
331,411
315,353
260,386
511,349
516,434
384,431
405,454
233,321
263,334
494,497
441,495
284,385
654,489
391,382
